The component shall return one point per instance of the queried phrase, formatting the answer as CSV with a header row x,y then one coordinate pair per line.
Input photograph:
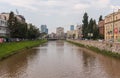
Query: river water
x,y
59,59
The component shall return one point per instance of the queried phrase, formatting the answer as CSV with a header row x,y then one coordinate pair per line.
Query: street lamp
x,y
90,35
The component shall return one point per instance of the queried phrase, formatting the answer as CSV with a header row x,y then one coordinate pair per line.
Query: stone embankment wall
x,y
109,46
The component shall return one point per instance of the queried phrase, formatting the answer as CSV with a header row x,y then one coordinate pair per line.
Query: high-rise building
x,y
60,32
72,27
44,29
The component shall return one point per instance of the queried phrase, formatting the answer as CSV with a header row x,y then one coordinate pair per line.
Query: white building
x,y
60,33
3,26
20,18
52,35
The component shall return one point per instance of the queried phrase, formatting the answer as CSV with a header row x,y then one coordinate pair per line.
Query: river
x,y
59,59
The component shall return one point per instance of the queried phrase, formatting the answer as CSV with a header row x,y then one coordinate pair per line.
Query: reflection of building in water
x,y
17,65
60,43
88,59
111,66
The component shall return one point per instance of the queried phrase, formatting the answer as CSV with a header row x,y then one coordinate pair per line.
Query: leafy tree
x,y
100,18
85,25
11,23
20,29
90,26
95,30
33,32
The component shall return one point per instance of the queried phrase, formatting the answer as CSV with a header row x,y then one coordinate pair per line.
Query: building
x,y
75,34
101,27
3,26
20,18
79,31
112,26
44,29
52,36
60,33
72,27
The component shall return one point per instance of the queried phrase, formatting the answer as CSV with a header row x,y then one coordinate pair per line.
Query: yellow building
x,y
76,34
112,27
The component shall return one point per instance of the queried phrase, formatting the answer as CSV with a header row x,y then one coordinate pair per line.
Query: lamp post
x,y
90,35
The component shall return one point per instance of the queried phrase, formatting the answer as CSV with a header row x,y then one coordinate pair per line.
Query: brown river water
x,y
59,59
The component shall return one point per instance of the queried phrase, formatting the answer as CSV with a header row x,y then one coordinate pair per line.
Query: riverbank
x,y
7,49
95,49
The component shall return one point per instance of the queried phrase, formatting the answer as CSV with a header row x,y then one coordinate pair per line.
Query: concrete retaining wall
x,y
109,46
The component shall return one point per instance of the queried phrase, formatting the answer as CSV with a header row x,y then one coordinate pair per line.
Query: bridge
x,y
54,39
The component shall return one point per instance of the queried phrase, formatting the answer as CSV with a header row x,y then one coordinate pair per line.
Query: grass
x,y
97,50
7,49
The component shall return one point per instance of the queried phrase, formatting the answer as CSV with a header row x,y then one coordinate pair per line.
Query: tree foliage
x,y
85,25
33,32
89,28
20,30
100,18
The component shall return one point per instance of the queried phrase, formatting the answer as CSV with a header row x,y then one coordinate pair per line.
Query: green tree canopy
x,y
100,18
85,25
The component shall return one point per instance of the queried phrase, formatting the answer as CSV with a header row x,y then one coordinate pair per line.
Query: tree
x,y
11,23
100,18
85,25
20,29
95,30
16,28
33,32
90,26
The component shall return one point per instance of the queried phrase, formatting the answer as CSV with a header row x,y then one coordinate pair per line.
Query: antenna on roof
x,y
17,12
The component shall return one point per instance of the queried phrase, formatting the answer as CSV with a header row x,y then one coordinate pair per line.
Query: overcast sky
x,y
55,13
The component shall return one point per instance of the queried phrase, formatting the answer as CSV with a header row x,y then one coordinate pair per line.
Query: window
x,y
116,18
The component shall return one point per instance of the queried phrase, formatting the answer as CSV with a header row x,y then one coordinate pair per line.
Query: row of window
x,y
3,23
2,28
110,19
111,37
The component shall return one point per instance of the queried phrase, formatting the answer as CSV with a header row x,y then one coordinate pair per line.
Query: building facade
x,y
75,34
52,36
20,18
79,31
112,27
101,27
3,26
72,27
44,29
60,33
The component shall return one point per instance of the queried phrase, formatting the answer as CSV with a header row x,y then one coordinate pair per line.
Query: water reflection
x,y
16,65
59,59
